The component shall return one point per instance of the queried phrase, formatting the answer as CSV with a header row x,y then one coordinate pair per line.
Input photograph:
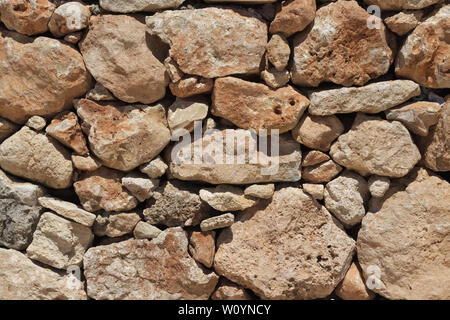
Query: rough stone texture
x,y
36,157
7,128
401,4
378,186
217,54
120,56
373,98
58,242
293,16
318,132
19,211
37,123
227,198
102,189
376,146
28,17
261,191
69,17
24,91
227,290
99,93
68,210
299,253
275,79
144,230
116,225
322,172
353,287
408,241
266,167
403,22
74,37
175,203
418,117
148,270
428,63
255,106
333,51
126,6
202,246
315,190
140,186
155,168
314,157
436,146
66,129
21,279
278,52
345,197
217,222
183,113
124,137
85,163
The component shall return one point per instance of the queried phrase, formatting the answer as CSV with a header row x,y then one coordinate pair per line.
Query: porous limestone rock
x,y
66,129
69,17
217,222
227,198
278,52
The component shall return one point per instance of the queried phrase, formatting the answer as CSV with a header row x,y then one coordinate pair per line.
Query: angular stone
x,y
401,4
144,230
217,222
58,242
155,168
255,106
353,287
378,186
373,98
140,186
21,279
315,190
407,241
120,56
202,246
85,163
175,203
300,253
37,123
183,113
261,191
116,225
124,137
7,128
68,210
25,16
37,157
217,54
100,93
227,167
293,17
190,86
127,6
24,91
275,79
19,211
376,146
227,290
69,17
147,270
345,197
429,63
314,157
102,189
227,198
66,129
278,52
340,48
322,172
403,22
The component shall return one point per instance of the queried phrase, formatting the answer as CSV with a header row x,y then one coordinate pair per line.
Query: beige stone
x,y
314,157
144,230
261,191
401,4
227,290
315,190
73,37
322,172
7,128
37,123
68,210
202,246
85,163
278,52
99,93
69,17
300,253
255,106
155,168
293,16
127,6
116,225
353,287
403,22
150,270
183,114
378,186
66,129
140,186
217,222
227,198
275,79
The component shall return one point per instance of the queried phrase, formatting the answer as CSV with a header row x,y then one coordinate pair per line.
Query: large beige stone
x,y
406,245
38,76
239,50
428,63
66,129
255,106
21,279
126,6
147,270
300,253
116,225
293,16
69,17
183,114
403,22
278,52
401,4
340,48
37,157
124,137
68,210
120,56
376,146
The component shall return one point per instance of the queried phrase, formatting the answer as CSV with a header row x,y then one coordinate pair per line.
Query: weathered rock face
x,y
217,54
102,189
376,146
403,22
66,129
227,198
69,17
115,225
68,210
120,56
401,4
28,17
148,270
183,113
278,52
21,279
139,185
227,290
125,6
332,51
353,287
37,157
19,211
255,106
124,137
202,247
24,91
293,16
428,63
229,168
322,172
175,203
217,222
7,128
408,241
285,254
